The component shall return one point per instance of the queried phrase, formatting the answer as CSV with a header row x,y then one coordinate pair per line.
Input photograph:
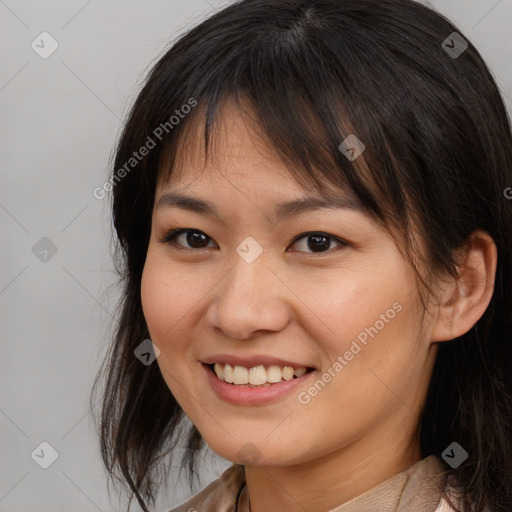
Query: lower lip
x,y
239,394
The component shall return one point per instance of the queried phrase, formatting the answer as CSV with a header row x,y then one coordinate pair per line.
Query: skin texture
x,y
293,303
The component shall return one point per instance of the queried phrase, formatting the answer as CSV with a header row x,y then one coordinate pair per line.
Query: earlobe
x,y
467,297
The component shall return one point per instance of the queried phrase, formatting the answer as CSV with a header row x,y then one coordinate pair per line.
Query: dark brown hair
x,y
438,143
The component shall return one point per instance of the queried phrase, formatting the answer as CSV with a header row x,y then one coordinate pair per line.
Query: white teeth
x,y
287,373
240,375
228,373
273,374
257,375
300,371
219,370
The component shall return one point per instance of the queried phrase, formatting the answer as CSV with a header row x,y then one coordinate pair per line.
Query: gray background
x,y
60,117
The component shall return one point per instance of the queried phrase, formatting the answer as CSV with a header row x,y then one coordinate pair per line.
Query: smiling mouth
x,y
256,376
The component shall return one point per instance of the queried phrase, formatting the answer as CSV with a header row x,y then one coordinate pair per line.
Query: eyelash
x,y
170,239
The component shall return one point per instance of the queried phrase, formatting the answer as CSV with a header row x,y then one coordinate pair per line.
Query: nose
x,y
248,300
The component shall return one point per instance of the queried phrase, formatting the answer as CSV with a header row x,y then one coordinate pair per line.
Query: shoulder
x,y
220,495
451,501
444,506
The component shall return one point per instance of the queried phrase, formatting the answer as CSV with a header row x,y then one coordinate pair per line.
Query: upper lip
x,y
250,362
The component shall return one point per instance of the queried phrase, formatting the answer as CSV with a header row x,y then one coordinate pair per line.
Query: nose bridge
x,y
250,297
249,269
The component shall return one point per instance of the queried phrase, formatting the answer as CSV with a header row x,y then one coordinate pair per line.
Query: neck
x,y
327,482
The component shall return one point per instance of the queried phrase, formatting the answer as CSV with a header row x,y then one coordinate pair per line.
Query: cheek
x,y
165,304
342,308
173,303
374,329
165,295
154,297
163,307
367,323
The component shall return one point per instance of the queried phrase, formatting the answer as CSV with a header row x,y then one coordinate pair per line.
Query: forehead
x,y
240,153
242,165
236,147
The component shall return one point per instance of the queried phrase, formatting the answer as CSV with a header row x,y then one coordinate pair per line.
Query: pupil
x,y
320,243
194,239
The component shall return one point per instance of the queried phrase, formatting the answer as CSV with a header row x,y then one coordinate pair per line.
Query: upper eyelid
x,y
174,233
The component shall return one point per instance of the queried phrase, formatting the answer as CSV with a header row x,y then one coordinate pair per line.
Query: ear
x,y
464,299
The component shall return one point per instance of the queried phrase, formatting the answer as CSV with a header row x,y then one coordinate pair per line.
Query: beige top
x,y
419,488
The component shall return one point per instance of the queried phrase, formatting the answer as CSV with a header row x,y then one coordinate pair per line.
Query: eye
x,y
318,242
187,238
195,238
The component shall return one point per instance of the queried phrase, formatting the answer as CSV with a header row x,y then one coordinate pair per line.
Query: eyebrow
x,y
281,211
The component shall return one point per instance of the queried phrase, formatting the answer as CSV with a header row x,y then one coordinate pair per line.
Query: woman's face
x,y
247,285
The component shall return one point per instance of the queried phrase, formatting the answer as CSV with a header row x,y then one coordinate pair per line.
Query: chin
x,y
253,453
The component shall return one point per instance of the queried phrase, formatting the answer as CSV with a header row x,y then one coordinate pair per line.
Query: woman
x,y
315,244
